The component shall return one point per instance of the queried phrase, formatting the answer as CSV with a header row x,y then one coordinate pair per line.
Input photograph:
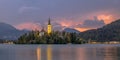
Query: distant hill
x,y
9,32
110,32
70,30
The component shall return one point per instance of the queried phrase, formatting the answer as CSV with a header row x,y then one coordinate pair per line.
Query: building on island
x,y
42,32
49,27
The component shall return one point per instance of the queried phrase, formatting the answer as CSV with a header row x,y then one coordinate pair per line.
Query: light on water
x,y
49,53
60,52
38,53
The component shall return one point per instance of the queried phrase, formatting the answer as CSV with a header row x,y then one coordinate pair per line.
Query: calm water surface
x,y
60,52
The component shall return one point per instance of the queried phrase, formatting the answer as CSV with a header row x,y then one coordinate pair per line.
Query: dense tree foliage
x,y
110,32
55,37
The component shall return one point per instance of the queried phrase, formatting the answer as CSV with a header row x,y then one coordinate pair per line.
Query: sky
x,y
78,14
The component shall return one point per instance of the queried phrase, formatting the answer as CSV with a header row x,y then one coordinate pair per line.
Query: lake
x,y
60,52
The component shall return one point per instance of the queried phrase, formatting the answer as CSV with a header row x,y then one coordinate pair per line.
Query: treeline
x,y
110,32
1,41
6,41
55,37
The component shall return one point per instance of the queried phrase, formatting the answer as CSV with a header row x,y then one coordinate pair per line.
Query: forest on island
x,y
55,37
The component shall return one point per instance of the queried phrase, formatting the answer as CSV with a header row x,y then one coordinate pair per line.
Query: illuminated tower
x,y
49,27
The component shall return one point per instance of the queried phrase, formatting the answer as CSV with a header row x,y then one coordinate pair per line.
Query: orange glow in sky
x,y
82,29
66,24
28,26
107,18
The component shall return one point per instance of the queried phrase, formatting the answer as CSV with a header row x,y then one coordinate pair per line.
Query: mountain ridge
x,y
71,30
109,32
8,32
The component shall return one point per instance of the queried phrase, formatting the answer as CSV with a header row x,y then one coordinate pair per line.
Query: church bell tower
x,y
49,27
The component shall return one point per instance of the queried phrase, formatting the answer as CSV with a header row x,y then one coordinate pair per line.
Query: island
x,y
108,34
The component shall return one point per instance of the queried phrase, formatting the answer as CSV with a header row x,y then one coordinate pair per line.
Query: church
x,y
49,29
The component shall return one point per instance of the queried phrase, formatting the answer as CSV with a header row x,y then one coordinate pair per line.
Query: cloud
x,y
90,24
57,26
107,18
66,22
93,24
28,26
70,13
27,9
62,23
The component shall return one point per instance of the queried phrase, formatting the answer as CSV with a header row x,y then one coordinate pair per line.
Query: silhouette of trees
x,y
55,37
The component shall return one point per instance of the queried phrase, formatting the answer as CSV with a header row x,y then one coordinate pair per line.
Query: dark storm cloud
x,y
92,23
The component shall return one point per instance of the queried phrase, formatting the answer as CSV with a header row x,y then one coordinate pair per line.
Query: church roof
x,y
49,22
42,30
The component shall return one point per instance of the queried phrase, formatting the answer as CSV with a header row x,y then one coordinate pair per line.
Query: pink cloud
x,y
108,16
66,22
28,26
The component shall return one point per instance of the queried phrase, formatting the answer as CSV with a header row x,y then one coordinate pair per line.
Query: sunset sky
x,y
78,14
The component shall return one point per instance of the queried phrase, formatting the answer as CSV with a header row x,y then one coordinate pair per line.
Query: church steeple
x,y
49,29
49,22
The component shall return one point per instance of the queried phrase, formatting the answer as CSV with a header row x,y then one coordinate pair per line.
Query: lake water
x,y
60,52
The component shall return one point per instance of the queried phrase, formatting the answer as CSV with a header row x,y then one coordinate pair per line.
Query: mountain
x,y
110,32
8,32
70,30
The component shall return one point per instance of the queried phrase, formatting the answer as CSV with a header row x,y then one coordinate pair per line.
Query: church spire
x,y
49,22
49,27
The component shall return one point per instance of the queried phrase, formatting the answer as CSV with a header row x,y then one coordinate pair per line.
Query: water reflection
x,y
81,54
77,53
59,52
66,53
49,52
98,53
38,53
108,53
